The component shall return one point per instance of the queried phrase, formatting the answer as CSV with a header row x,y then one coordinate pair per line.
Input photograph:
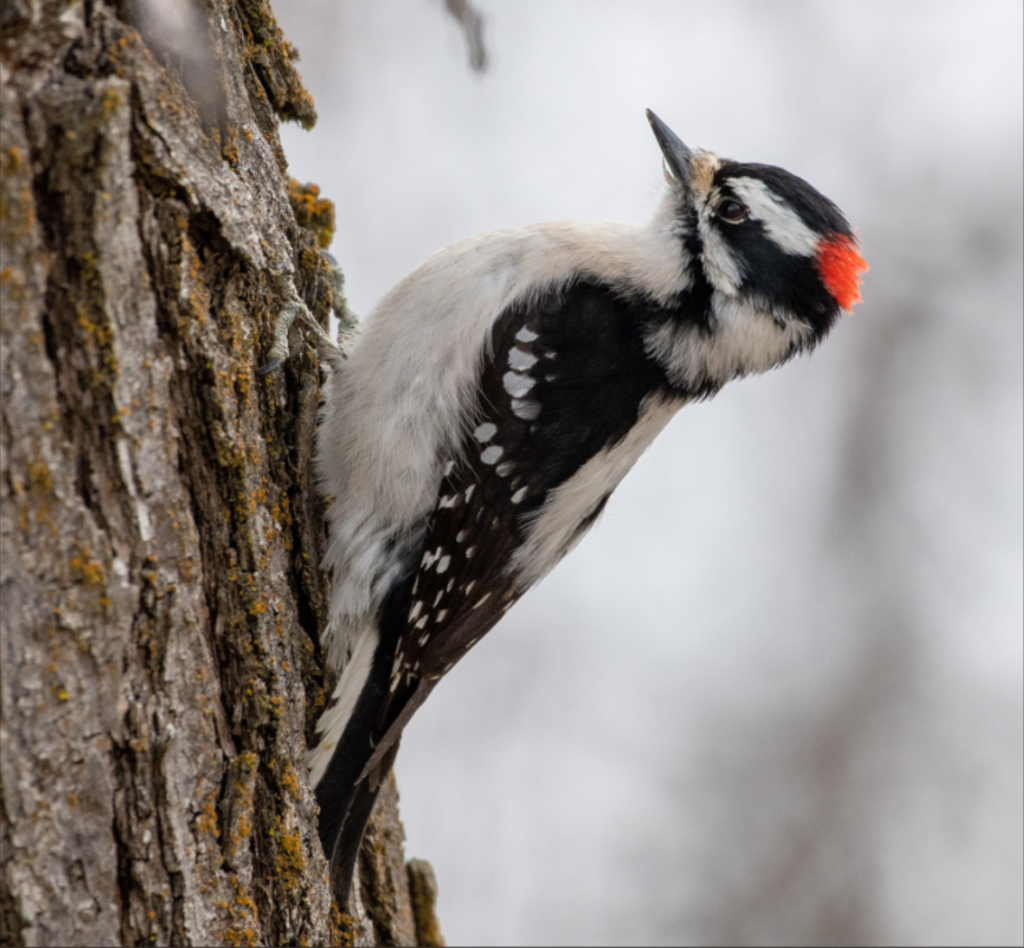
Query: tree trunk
x,y
161,596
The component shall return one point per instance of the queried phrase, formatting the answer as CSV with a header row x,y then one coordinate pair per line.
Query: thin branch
x,y
472,23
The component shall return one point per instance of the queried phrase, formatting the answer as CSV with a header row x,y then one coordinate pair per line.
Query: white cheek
x,y
721,268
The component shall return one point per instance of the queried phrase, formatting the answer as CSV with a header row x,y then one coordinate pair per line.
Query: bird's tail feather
x,y
334,720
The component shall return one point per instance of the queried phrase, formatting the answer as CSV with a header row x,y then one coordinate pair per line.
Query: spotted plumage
x,y
496,399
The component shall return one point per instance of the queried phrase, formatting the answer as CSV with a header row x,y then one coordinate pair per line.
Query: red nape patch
x,y
840,266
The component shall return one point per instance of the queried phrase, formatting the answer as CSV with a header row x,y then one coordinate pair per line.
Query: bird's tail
x,y
351,682
346,733
358,738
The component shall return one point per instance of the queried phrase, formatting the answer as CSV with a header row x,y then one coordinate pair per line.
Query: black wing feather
x,y
580,375
565,378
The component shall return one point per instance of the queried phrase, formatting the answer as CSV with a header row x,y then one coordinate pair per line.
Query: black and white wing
x,y
566,380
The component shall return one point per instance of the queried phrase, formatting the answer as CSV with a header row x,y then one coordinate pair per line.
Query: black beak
x,y
677,155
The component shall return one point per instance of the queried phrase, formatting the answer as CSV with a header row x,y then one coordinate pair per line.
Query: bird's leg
x,y
295,307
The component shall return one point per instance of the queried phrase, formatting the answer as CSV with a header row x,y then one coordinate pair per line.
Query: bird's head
x,y
760,238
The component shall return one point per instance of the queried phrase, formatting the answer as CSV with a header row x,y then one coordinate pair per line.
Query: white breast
x,y
554,528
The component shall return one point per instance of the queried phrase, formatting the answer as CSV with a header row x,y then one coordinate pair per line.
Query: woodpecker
x,y
496,398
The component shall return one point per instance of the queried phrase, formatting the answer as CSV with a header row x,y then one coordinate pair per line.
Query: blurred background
x,y
776,697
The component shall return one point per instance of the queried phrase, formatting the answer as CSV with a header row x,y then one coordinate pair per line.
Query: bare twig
x,y
472,23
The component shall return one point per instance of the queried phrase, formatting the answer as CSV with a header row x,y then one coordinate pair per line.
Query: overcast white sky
x,y
776,695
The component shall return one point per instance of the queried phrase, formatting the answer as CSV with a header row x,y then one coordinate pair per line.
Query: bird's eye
x,y
732,212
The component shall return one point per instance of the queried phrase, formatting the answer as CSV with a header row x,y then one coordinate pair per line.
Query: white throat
x,y
744,339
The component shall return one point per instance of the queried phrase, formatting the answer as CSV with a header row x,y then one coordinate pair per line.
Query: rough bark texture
x,y
160,538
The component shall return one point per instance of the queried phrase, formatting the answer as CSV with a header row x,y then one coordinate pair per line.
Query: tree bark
x,y
160,535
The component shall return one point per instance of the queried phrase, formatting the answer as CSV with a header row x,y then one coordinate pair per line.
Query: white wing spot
x,y
437,598
482,600
460,536
504,469
491,454
524,408
448,501
448,468
451,582
428,559
421,624
442,567
485,432
526,335
518,496
517,385
440,616
520,360
469,491
469,586
423,639
417,608
470,552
